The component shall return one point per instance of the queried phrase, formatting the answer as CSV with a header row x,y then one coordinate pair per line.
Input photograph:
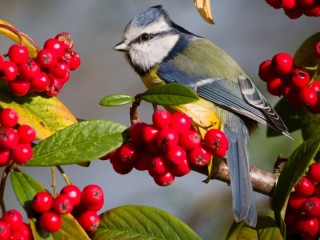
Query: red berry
x,y
22,233
161,118
92,196
291,220
59,69
4,157
66,38
311,207
8,118
304,187
199,156
18,53
317,190
42,202
167,138
22,153
308,96
73,192
74,61
314,172
19,87
316,50
316,86
288,4
266,72
180,169
9,138
135,132
4,230
1,61
158,166
13,218
189,140
57,46
50,222
312,11
295,12
129,152
164,180
300,78
29,69
89,221
26,134
149,133
274,86
46,58
307,227
55,86
306,2
316,108
41,82
180,122
282,63
175,156
291,96
62,204
216,142
144,161
274,3
121,167
8,71
296,201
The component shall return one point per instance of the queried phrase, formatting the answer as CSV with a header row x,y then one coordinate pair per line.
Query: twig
x,y
3,185
54,182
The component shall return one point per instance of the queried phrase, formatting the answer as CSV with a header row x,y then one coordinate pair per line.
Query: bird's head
x,y
150,37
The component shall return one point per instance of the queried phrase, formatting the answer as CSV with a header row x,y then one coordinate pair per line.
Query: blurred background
x,y
250,31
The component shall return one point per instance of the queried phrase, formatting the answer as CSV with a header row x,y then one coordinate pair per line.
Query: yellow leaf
x,y
204,9
11,32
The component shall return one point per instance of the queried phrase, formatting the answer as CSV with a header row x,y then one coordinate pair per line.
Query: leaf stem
x,y
54,182
64,175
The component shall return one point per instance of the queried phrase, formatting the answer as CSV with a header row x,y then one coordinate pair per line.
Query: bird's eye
x,y
145,37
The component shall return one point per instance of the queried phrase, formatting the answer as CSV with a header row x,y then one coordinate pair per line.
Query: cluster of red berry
x,y
12,226
296,8
15,140
294,83
167,148
47,73
83,205
303,212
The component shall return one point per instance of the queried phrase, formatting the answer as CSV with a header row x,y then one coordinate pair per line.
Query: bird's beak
x,y
121,46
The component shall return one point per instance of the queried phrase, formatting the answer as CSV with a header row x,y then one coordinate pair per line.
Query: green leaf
x,y
266,229
304,55
170,94
291,172
116,100
141,222
81,142
310,126
25,187
45,114
291,116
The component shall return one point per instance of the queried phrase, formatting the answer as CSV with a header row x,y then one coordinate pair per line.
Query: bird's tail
x,y
239,169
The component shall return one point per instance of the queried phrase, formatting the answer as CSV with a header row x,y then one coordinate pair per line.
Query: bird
x,y
162,52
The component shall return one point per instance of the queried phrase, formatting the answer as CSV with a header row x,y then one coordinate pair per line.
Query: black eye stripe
x,y
150,36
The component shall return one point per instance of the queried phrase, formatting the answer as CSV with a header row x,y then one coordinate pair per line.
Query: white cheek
x,y
146,55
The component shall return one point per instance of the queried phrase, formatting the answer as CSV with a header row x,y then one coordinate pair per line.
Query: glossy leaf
x,y
292,117
204,9
310,125
291,172
13,36
45,114
81,142
266,229
304,55
25,187
141,222
116,100
170,94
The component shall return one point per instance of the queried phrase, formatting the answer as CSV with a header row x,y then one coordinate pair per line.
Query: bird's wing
x,y
223,83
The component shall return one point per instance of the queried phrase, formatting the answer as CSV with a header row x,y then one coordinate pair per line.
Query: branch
x,y
263,182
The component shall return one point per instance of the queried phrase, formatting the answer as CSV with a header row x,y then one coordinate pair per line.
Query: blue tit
x,y
162,52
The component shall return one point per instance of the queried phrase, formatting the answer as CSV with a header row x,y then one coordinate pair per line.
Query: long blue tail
x,y
238,161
